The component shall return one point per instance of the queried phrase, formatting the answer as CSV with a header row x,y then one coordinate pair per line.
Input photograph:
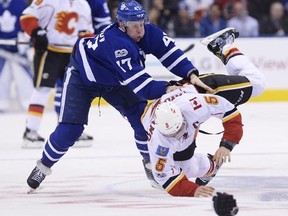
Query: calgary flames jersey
x,y
63,20
196,108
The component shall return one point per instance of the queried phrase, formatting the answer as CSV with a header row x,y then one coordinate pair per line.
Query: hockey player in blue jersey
x,y
112,66
101,19
15,67
100,14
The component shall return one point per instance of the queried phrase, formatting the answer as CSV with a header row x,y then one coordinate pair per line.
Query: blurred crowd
x,y
199,18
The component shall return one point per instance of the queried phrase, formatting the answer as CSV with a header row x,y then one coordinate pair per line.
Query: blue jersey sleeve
x,y
113,59
100,14
157,43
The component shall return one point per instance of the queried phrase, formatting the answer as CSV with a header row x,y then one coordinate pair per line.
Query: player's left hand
x,y
196,81
222,155
224,204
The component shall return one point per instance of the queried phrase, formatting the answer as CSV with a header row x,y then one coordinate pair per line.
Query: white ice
x,y
108,178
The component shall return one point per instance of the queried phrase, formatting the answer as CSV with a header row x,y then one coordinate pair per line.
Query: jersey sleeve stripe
x,y
102,24
102,19
134,77
169,184
86,65
230,115
176,62
168,54
142,85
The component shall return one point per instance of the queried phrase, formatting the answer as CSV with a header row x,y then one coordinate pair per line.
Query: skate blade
x,y
211,37
32,145
30,190
83,144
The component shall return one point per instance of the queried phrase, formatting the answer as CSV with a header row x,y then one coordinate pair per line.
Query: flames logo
x,y
65,22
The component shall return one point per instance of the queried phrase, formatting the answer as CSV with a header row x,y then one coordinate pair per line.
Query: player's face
x,y
135,29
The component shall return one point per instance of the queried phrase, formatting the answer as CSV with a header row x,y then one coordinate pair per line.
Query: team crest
x,y
66,22
162,151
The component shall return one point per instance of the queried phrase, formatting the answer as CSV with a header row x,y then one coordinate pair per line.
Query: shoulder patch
x,y
121,53
162,151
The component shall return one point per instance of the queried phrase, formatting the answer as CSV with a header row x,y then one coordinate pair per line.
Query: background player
x,y
51,25
15,67
100,14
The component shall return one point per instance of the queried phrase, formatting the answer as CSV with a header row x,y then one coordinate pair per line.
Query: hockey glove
x,y
39,39
225,205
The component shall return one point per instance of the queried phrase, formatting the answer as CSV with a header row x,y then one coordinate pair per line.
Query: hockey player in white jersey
x,y
173,121
15,67
54,26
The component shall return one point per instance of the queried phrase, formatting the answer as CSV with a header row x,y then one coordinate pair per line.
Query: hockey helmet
x,y
169,119
131,11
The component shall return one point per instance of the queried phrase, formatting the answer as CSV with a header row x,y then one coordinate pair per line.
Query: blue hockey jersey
x,y
10,11
113,59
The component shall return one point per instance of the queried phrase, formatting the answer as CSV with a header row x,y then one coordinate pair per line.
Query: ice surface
x,y
108,178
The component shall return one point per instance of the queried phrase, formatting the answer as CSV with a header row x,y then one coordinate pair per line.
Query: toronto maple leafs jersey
x,y
62,19
113,59
10,12
100,14
196,109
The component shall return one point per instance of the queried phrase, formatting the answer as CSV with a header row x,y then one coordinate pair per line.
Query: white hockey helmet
x,y
169,119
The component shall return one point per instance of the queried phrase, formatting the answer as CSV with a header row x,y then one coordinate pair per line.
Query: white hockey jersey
x,y
196,109
62,19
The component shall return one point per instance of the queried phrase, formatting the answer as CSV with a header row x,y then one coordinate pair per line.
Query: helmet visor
x,y
135,24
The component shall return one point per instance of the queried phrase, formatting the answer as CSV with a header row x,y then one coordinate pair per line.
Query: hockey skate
x,y
215,42
204,180
32,140
149,175
37,175
84,141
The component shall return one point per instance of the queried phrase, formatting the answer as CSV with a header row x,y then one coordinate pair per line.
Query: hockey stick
x,y
190,47
12,42
209,133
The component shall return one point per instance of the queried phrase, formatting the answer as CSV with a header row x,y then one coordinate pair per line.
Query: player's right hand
x,y
39,39
222,155
204,191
